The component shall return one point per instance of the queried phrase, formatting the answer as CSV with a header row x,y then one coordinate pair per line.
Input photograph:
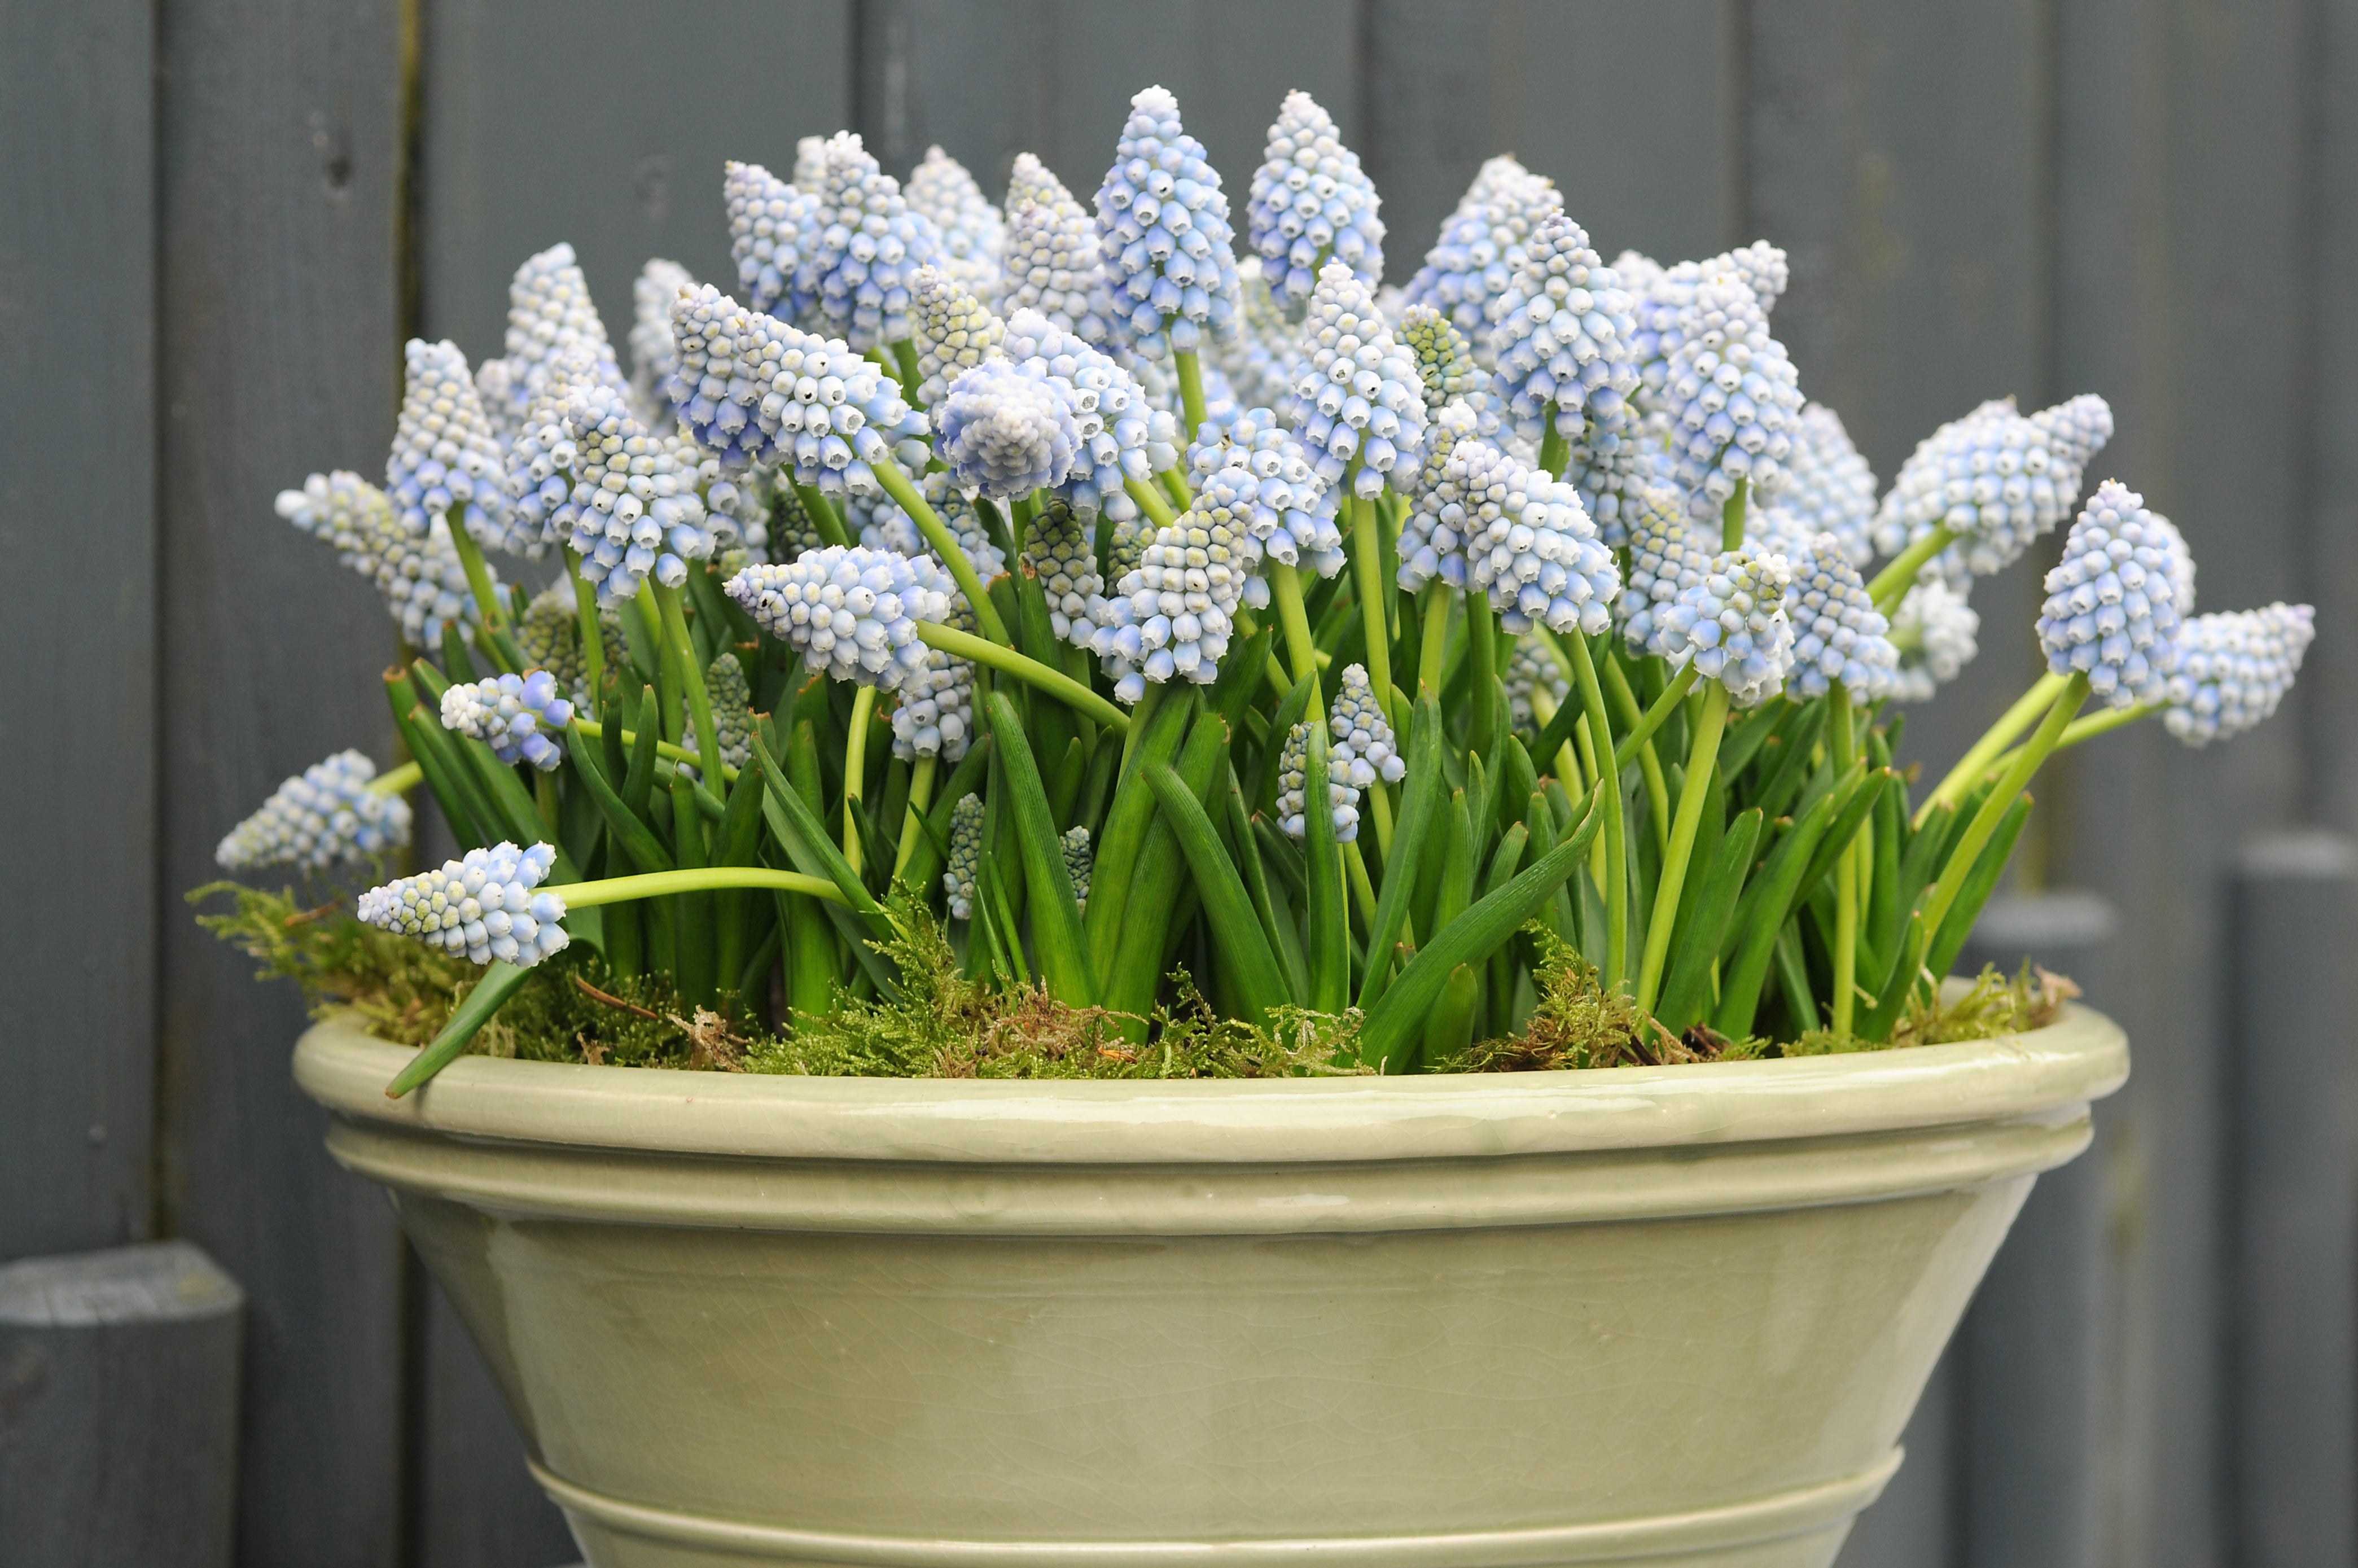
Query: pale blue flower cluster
x,y
541,454
1172,614
1531,670
1467,274
933,715
1005,433
865,245
1360,394
324,815
514,715
1733,625
549,313
965,863
445,458
1163,230
769,222
636,511
1668,556
1564,337
1665,298
1293,793
1080,860
1830,488
1996,479
733,709
1312,204
2233,668
1735,399
1118,428
422,579
1365,751
1432,533
852,613
483,906
1935,632
2111,612
1529,546
971,234
735,501
953,331
1063,560
1256,474
653,355
1263,361
1839,635
1050,263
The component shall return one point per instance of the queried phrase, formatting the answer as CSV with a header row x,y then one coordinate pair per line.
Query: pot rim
x,y
2045,1074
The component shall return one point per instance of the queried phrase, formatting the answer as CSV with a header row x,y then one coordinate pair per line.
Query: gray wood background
x,y
219,218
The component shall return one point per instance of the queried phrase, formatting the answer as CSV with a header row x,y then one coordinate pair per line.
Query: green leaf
x,y
1245,956
1763,912
500,981
638,842
1158,894
1683,994
1127,822
1055,913
1277,928
1958,923
1326,908
799,832
1421,803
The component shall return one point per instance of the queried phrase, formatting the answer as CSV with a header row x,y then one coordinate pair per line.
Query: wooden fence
x,y
220,218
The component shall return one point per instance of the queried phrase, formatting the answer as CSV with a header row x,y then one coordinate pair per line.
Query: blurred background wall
x,y
220,218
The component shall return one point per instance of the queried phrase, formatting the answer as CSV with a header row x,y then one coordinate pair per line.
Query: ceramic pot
x,y
1674,1316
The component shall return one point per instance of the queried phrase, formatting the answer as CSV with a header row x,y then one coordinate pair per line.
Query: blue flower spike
x,y
444,455
1563,339
515,716
1936,633
1838,633
2112,604
772,227
1997,479
324,815
1366,751
1668,556
1733,626
422,579
954,331
490,905
636,512
1162,229
1293,792
1470,270
972,234
2233,668
852,613
1050,263
1005,433
1312,205
869,244
653,355
1255,473
1530,545
1360,394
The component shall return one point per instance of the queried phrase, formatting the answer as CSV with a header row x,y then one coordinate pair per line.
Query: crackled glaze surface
x,y
1676,1315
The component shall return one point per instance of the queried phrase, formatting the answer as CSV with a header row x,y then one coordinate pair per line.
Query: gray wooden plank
x,y
77,528
118,1409
2292,1205
1914,1523
1636,113
2328,692
2181,274
607,129
281,146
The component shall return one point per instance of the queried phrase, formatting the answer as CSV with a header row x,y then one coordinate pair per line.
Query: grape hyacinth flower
x,y
1080,860
971,234
1471,266
736,503
1432,534
1118,431
733,709
322,816
934,716
1005,433
541,454
1256,474
1733,626
483,906
1529,671
636,512
548,635
1934,630
1668,556
965,864
954,331
444,455
1563,336
1360,394
850,612
549,312
810,162
1062,559
2233,668
653,355
1995,479
1366,750
422,579
1529,546
1665,299
867,244
2111,612
794,533
1831,489
1162,229
1050,263
1311,205
1263,361
1172,616
771,228
1735,400
888,528
1839,635
514,715
1293,779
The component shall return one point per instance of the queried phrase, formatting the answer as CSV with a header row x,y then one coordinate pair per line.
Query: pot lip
x,y
2046,1074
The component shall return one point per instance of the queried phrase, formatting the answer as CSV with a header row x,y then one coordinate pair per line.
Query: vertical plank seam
x,y
1740,204
2309,792
159,1217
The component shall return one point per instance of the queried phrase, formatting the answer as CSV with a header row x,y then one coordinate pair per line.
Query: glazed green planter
x,y
1675,1316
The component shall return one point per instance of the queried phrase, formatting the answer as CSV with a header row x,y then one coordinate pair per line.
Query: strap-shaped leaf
x,y
1683,994
1326,909
1245,956
1056,933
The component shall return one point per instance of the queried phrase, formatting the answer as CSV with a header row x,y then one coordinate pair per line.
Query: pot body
x,y
1670,1315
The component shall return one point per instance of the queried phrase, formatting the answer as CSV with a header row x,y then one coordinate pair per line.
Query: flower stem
x,y
1554,451
1432,658
1626,751
592,728
855,771
1191,391
488,614
1368,569
1996,738
691,681
823,516
1700,758
1481,672
397,781
921,796
1892,583
1658,793
905,358
2017,774
1150,502
1174,484
1845,954
585,609
1731,516
896,485
1285,587
2112,719
699,878
1031,671
1617,841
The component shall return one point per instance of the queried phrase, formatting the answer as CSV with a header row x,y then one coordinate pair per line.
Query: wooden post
x,y
118,1409
2292,1205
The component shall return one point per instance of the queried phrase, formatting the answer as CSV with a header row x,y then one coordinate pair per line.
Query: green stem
x,y
691,681
1554,451
1892,583
1379,806
585,609
1367,568
1481,672
1731,516
1138,718
1174,484
855,771
823,516
1031,671
1846,873
2112,719
1960,866
1617,842
1150,502
697,879
1996,738
1285,587
896,485
1433,657
397,781
1658,794
595,730
904,357
488,614
1626,751
921,796
1700,758
1191,391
